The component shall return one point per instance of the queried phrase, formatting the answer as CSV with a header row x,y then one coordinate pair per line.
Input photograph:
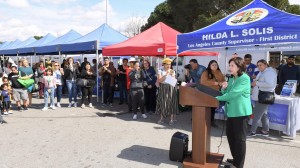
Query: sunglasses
x,y
56,65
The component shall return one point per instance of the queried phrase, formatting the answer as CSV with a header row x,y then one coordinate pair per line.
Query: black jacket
x,y
69,74
137,79
91,78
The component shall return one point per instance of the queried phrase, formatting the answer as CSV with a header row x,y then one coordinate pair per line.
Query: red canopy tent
x,y
159,40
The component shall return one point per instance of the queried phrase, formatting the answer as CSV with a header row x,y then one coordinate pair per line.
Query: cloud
x,y
52,1
41,19
16,3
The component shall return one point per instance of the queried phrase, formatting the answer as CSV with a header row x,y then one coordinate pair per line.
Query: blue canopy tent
x,y
93,42
101,37
14,50
30,48
3,46
53,47
258,23
12,45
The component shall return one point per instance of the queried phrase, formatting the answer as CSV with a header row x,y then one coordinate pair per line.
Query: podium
x,y
201,103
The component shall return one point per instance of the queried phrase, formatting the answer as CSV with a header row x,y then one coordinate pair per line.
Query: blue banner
x,y
278,113
257,23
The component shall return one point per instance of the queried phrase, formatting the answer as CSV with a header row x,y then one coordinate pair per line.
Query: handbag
x,y
81,82
26,82
266,97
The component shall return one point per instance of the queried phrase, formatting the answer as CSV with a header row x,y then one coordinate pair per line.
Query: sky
x,y
21,19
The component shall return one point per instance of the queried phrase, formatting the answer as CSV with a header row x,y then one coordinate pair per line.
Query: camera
x,y
188,66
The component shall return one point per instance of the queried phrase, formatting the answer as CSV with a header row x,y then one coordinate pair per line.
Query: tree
x,y
190,15
134,26
38,37
162,13
1,42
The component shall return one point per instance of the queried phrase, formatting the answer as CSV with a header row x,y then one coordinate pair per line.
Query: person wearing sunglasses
x,y
58,74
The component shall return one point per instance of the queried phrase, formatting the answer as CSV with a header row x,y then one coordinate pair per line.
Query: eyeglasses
x,y
56,65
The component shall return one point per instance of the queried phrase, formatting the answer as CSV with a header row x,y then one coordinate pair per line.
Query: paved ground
x,y
108,137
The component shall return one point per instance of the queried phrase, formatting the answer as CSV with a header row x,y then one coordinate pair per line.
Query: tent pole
x,y
226,66
165,56
176,65
44,60
18,59
97,60
31,60
59,53
151,61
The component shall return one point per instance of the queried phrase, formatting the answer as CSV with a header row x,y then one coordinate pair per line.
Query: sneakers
x,y
25,108
58,104
10,112
144,116
45,108
251,134
5,113
103,105
53,107
70,105
82,106
161,121
20,109
264,133
75,104
90,105
171,122
111,105
134,117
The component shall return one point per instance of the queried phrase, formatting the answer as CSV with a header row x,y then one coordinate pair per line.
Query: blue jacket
x,y
251,71
196,74
150,76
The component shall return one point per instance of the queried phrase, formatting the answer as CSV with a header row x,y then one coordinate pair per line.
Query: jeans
x,y
58,92
260,112
123,91
72,90
47,94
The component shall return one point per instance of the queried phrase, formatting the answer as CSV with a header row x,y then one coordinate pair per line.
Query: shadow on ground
x,y
147,155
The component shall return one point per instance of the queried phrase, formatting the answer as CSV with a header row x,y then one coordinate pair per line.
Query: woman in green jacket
x,y
236,94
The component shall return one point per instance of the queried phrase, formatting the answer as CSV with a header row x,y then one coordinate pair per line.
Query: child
x,y
50,84
5,97
6,81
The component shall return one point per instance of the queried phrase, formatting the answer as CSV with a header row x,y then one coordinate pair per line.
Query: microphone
x,y
228,76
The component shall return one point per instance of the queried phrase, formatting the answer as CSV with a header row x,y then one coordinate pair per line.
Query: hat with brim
x,y
132,60
167,61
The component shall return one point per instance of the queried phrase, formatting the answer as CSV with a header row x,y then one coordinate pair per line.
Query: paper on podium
x,y
171,80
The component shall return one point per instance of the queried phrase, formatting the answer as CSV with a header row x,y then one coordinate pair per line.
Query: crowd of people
x,y
146,90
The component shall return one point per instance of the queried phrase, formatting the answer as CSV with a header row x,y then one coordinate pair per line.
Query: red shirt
x,y
127,77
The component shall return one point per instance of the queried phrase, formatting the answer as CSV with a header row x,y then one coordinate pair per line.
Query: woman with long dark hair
x,y
150,90
87,91
213,78
236,94
71,73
